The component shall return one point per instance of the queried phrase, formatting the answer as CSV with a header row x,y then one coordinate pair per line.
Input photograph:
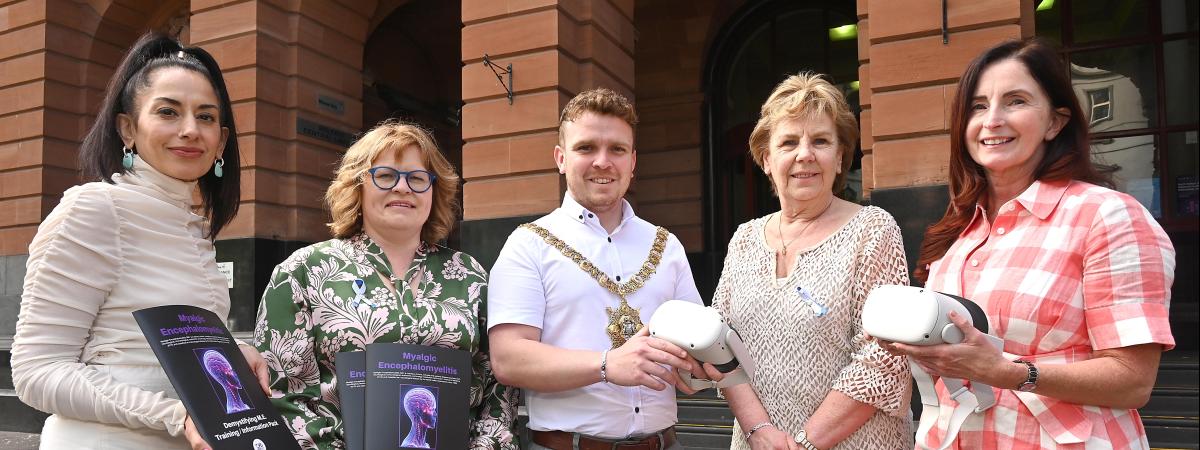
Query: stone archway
x,y
412,70
757,48
83,46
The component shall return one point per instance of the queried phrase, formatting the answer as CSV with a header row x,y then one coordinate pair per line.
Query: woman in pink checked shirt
x,y
1074,277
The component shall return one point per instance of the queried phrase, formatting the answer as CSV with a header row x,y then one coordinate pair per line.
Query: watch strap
x,y
1031,379
802,439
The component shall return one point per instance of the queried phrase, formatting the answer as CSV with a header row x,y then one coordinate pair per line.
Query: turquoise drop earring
x,y
218,167
127,158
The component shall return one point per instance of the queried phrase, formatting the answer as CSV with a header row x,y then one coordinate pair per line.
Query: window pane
x,y
1180,76
1126,75
1179,15
1048,20
1096,20
1131,160
1182,190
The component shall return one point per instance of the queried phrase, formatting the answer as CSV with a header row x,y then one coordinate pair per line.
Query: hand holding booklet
x,y
404,396
213,380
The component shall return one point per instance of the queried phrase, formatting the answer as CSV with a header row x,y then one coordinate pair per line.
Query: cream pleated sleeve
x,y
75,261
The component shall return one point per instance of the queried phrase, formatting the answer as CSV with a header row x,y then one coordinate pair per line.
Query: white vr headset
x,y
705,335
918,316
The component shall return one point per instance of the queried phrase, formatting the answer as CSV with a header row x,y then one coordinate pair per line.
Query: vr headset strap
x,y
931,407
736,377
978,398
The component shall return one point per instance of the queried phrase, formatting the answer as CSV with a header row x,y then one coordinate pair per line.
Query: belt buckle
x,y
616,445
621,443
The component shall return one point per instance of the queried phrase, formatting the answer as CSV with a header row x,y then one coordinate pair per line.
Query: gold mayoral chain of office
x,y
625,320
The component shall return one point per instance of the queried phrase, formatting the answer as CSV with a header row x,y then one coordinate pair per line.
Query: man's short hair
x,y
601,101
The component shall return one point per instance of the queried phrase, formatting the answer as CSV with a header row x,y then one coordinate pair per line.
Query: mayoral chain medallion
x,y
624,321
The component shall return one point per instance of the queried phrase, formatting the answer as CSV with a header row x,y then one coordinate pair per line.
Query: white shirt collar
x,y
578,213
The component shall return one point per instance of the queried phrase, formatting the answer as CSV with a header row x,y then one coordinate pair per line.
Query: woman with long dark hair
x,y
128,241
1074,277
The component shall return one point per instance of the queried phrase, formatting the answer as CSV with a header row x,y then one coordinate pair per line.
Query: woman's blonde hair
x,y
800,96
344,197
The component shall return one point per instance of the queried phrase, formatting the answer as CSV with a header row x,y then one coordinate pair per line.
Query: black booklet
x,y
213,379
352,394
417,397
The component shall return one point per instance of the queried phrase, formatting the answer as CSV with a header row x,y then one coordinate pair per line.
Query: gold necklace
x,y
779,226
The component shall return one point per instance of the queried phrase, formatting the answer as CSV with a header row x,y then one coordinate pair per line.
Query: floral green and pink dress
x,y
311,311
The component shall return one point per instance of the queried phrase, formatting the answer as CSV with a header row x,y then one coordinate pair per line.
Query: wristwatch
x,y
802,439
1031,380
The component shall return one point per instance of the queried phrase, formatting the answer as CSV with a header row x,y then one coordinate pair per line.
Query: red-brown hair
x,y
1067,156
344,196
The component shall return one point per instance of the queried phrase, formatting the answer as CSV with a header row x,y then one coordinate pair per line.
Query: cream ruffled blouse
x,y
105,251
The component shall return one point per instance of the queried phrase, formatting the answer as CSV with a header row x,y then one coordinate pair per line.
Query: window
x,y
1100,104
1133,65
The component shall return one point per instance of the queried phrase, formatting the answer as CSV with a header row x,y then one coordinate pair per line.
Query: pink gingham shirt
x,y
1068,268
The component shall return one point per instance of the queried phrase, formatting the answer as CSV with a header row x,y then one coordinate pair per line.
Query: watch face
x,y
1026,387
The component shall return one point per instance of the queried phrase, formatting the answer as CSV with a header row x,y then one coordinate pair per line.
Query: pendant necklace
x,y
779,227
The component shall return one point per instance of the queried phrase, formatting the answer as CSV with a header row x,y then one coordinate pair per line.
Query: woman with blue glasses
x,y
382,278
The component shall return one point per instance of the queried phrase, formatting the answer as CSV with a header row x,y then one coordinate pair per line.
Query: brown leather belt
x,y
561,440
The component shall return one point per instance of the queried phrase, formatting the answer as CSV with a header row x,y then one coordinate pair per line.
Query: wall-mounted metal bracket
x,y
508,87
945,24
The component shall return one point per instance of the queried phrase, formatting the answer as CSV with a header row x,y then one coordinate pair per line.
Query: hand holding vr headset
x,y
708,339
656,363
946,335
943,336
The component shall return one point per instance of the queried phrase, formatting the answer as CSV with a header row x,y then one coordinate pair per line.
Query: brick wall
x,y
556,49
56,57
908,80
278,58
51,75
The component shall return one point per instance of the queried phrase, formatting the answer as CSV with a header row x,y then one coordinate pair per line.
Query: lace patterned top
x,y
805,333
309,313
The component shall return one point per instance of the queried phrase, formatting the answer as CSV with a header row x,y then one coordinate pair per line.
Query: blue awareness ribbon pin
x,y
360,290
818,309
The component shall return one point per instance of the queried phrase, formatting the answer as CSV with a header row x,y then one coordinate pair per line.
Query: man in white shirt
x,y
568,296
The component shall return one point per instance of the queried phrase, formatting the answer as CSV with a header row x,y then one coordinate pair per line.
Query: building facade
x,y
490,76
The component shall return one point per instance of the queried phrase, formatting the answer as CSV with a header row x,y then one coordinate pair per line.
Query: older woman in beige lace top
x,y
794,283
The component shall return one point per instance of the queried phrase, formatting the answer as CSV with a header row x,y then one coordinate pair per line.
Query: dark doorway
x,y
760,46
412,70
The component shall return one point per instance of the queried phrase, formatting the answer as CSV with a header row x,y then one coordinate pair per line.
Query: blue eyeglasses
x,y
387,178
